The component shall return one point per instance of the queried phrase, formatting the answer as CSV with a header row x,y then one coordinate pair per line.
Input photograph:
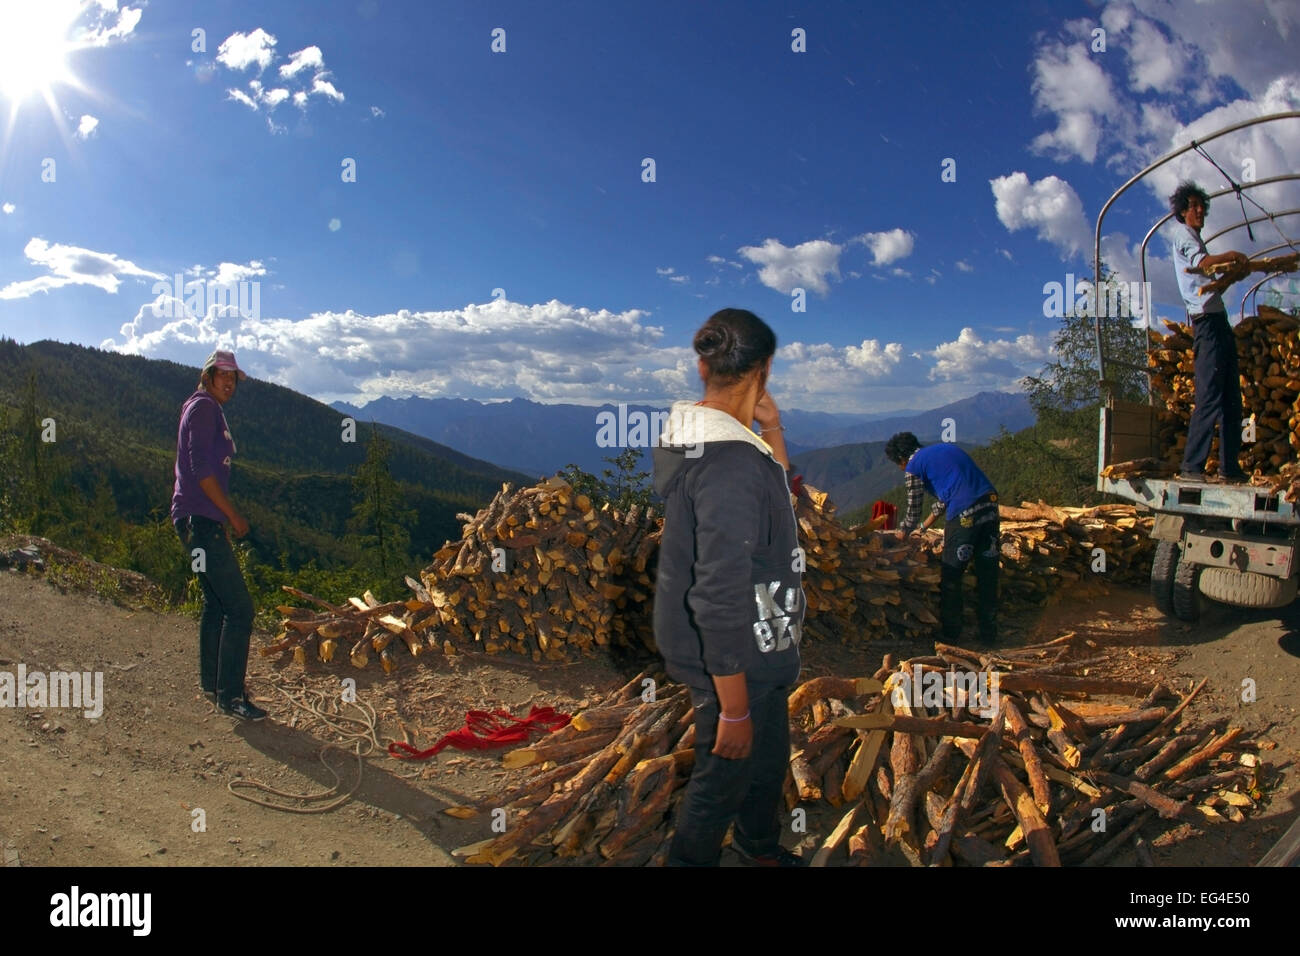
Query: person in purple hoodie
x,y
201,506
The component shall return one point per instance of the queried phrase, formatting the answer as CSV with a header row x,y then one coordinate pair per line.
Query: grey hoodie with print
x,y
729,597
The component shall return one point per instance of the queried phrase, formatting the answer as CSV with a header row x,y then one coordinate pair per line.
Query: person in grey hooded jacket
x,y
729,602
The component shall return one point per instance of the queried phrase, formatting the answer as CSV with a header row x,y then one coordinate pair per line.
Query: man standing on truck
x,y
971,526
1218,383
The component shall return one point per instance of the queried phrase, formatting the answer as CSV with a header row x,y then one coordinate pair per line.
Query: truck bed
x,y
1128,432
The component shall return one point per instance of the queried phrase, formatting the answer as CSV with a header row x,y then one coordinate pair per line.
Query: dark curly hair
x,y
1185,191
901,447
732,343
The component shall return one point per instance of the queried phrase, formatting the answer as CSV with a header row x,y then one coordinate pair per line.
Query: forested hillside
x,y
87,444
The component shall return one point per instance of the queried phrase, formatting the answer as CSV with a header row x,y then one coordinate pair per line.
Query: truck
x,y
1234,544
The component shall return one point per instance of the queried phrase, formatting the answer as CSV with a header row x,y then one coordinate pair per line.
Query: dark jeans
x,y
1218,396
721,790
227,620
973,535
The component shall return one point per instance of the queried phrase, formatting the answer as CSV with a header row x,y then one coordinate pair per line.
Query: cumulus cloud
x,y
98,28
964,266
887,247
326,88
308,58
86,126
239,51
301,77
72,265
1070,84
8,208
976,361
548,352
1163,60
805,266
1050,207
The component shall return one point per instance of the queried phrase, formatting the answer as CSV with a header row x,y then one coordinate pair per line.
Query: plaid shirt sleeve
x,y
915,497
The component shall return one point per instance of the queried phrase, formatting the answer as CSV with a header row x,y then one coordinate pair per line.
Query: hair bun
x,y
714,340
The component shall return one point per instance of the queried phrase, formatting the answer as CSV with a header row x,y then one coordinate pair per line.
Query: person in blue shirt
x,y
1218,381
971,531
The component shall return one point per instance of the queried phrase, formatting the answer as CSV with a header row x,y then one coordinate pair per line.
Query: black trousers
x,y
226,625
973,535
1218,396
722,790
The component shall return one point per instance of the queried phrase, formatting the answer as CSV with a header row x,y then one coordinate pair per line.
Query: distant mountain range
x,y
542,439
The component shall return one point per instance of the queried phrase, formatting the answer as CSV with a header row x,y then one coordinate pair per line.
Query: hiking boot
x,y
243,709
779,857
1197,476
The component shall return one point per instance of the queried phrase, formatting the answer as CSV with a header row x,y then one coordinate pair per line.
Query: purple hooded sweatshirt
x,y
203,449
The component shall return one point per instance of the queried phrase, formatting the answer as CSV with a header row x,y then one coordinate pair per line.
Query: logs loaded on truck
x,y
1235,543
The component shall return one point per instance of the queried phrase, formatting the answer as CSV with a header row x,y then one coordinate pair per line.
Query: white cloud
x,y
326,88
72,265
273,98
1155,61
239,51
665,272
548,352
679,279
887,247
86,126
300,99
975,361
900,272
964,266
1050,206
8,208
377,113
785,268
240,96
308,58
1070,83
97,30
229,272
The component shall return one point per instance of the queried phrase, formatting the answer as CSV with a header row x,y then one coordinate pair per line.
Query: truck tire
x,y
1186,595
1246,588
1163,566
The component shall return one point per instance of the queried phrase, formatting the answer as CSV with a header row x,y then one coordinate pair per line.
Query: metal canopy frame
x,y
1138,177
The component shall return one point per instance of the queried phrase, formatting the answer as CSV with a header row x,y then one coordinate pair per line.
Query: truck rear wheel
x,y
1186,596
1163,566
1246,588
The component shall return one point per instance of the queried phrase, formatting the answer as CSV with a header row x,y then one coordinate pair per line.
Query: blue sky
x,y
522,170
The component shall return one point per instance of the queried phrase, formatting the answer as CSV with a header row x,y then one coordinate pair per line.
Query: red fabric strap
x,y
485,730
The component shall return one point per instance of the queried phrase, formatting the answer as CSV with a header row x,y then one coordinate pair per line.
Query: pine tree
x,y
379,524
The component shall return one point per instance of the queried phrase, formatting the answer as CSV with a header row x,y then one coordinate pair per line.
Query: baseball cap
x,y
224,361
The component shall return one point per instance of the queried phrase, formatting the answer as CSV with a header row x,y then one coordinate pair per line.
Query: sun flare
x,y
35,39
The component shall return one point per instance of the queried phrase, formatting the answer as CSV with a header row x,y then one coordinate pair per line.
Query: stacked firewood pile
x,y
1269,357
993,773
542,572
861,584
1044,781
1046,550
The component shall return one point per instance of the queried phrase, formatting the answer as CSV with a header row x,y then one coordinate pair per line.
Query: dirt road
x,y
132,786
